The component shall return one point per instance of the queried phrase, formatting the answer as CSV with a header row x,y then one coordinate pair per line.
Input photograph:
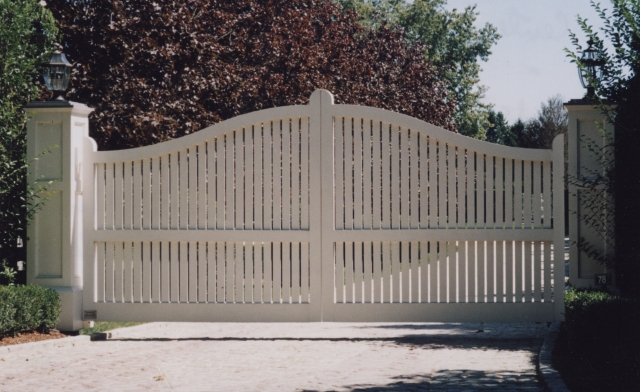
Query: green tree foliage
x,y
27,32
619,43
453,44
159,70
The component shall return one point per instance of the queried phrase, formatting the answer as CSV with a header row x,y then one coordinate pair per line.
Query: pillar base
x,y
70,309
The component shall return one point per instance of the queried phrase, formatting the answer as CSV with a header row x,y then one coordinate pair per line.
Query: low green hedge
x,y
28,308
602,334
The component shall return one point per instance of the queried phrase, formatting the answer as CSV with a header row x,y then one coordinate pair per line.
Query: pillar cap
x,y
58,105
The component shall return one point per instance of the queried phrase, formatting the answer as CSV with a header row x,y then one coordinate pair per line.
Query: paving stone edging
x,y
550,377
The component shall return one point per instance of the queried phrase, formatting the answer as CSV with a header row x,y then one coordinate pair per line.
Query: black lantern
x,y
592,71
57,73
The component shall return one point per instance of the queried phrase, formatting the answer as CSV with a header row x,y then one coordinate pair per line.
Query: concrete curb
x,y
45,344
549,376
117,333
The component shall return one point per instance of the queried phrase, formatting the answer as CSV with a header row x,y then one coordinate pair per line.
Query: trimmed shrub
x,y
28,308
602,333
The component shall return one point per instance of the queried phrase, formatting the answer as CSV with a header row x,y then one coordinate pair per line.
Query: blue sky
x,y
528,64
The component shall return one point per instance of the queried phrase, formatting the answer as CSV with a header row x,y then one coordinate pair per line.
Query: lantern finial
x,y
57,73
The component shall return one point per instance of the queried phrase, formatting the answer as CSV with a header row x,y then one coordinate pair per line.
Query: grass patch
x,y
103,326
598,348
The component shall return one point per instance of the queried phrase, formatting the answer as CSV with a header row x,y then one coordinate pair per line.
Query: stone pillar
x,y
586,135
55,131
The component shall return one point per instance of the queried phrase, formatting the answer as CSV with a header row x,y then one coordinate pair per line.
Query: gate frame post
x,y
55,134
558,227
585,120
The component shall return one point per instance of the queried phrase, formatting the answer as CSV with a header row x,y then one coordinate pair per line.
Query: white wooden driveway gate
x,y
323,212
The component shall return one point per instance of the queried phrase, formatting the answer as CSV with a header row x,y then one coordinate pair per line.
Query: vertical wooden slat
x,y
377,187
146,193
481,257
433,272
367,185
385,173
443,272
509,271
461,269
202,272
546,183
229,270
239,272
183,262
368,273
211,271
442,186
395,186
405,275
221,278
193,271
137,272
109,273
268,179
211,188
528,265
155,193
386,272
395,271
339,272
547,270
175,191
109,191
499,185
239,180
377,272
155,272
472,271
453,271
304,181
118,273
423,157
304,269
128,272
230,176
146,272
175,271
277,272
508,186
490,263
500,294
358,271
528,195
480,190
128,194
451,187
348,175
517,197
295,273
462,190
202,186
519,283
339,164
183,191
286,272
490,191
164,192
258,287
414,184
295,174
248,272
101,196
414,264
357,175
433,185
287,188
119,196
165,273
404,181
220,183
537,195
268,275
277,175
258,181
537,271
424,271
348,268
